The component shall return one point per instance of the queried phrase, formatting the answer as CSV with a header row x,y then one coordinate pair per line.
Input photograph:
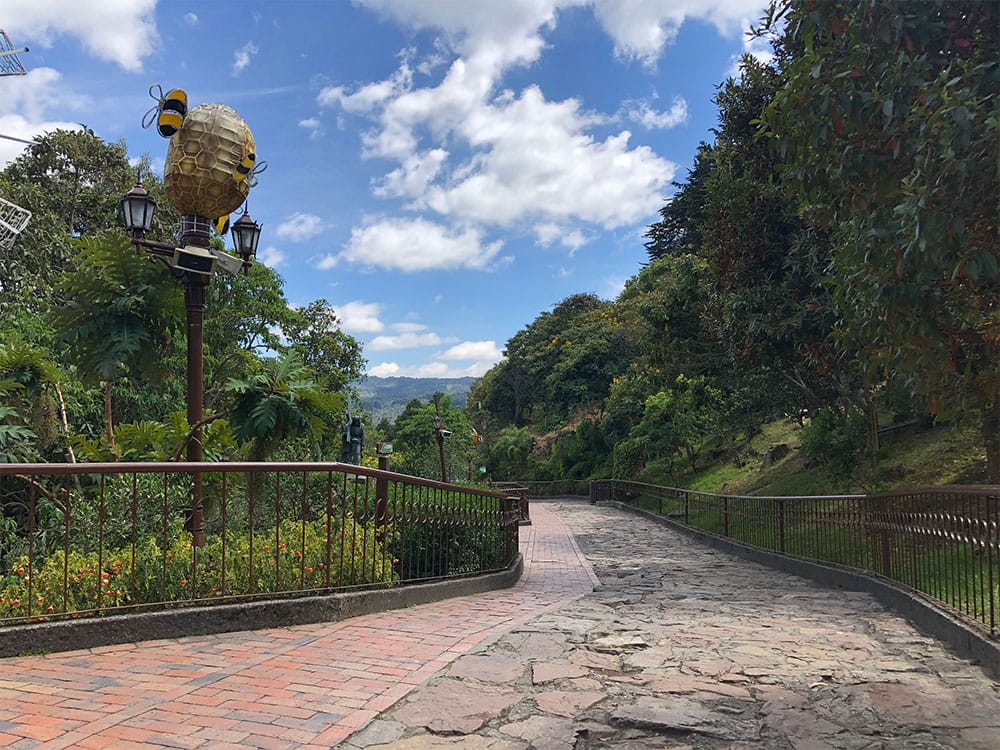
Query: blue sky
x,y
441,171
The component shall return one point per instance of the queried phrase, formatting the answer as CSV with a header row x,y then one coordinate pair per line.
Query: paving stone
x,y
452,706
544,732
490,668
474,742
379,732
567,702
677,715
549,671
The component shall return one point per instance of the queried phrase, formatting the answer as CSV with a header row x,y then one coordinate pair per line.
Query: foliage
x,y
836,442
121,311
72,182
280,400
297,556
16,439
508,456
887,128
416,449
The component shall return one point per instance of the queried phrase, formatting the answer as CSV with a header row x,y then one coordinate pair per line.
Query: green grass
x,y
912,457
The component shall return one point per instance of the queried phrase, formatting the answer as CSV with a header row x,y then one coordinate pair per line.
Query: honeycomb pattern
x,y
202,158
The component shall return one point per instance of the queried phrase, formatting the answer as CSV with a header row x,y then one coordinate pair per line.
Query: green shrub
x,y
294,556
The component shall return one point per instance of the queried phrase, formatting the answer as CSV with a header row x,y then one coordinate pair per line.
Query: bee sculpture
x,y
212,158
168,112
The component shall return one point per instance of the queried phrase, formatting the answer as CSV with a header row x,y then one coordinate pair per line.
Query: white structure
x,y
10,65
13,220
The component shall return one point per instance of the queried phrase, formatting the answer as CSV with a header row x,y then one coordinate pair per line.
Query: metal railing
x,y
86,539
520,491
941,543
555,487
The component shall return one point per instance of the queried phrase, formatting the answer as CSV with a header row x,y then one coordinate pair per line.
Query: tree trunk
x,y
108,423
65,423
991,438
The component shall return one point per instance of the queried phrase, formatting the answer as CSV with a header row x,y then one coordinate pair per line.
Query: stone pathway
x,y
682,646
678,646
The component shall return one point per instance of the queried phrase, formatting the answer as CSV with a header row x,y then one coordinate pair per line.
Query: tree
x,y
678,231
767,301
119,317
278,401
72,183
314,332
415,448
887,127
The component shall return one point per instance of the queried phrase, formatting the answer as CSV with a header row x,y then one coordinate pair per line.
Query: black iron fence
x,y
940,543
552,488
86,539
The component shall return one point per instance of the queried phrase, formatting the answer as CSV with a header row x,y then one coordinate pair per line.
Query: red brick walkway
x,y
303,687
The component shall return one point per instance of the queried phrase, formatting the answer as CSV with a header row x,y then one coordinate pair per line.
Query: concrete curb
x,y
922,614
71,635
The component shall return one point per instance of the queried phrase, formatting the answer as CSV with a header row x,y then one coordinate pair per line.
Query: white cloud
x,y
191,19
385,370
414,176
300,227
410,340
517,157
408,327
26,102
547,233
272,257
480,350
415,245
360,317
242,56
120,31
642,113
312,124
642,28
429,370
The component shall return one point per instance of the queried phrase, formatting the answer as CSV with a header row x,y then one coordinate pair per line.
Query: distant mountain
x,y
387,397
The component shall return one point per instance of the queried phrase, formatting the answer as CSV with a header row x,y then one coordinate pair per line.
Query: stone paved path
x,y
682,646
679,646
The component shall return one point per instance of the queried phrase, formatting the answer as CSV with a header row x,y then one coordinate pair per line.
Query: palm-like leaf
x,y
279,400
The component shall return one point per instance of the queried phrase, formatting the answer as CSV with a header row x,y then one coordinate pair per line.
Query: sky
x,y
440,171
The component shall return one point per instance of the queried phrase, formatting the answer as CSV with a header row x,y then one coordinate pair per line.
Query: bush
x,y
295,556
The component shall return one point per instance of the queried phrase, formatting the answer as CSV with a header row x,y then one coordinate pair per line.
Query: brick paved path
x,y
680,646
302,687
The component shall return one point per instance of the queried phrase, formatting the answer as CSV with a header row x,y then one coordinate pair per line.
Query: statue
x,y
352,441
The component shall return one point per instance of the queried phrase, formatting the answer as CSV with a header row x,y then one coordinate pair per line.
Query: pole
x,y
444,465
195,285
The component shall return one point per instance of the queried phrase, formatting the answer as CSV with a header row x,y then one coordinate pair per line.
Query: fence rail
x,y
552,488
941,543
88,539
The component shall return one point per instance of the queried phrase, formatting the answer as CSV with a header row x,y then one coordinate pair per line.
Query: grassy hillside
x,y
911,457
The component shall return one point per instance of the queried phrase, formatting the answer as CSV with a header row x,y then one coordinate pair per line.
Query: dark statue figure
x,y
352,441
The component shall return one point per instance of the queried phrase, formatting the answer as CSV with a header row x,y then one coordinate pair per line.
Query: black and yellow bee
x,y
245,168
222,225
169,110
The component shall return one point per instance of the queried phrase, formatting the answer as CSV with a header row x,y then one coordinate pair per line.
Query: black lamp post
x,y
193,263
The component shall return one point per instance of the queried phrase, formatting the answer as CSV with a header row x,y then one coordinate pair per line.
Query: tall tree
x,y
72,182
887,126
120,315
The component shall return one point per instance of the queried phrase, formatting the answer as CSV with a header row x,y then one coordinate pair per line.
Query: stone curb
x,y
71,635
922,614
